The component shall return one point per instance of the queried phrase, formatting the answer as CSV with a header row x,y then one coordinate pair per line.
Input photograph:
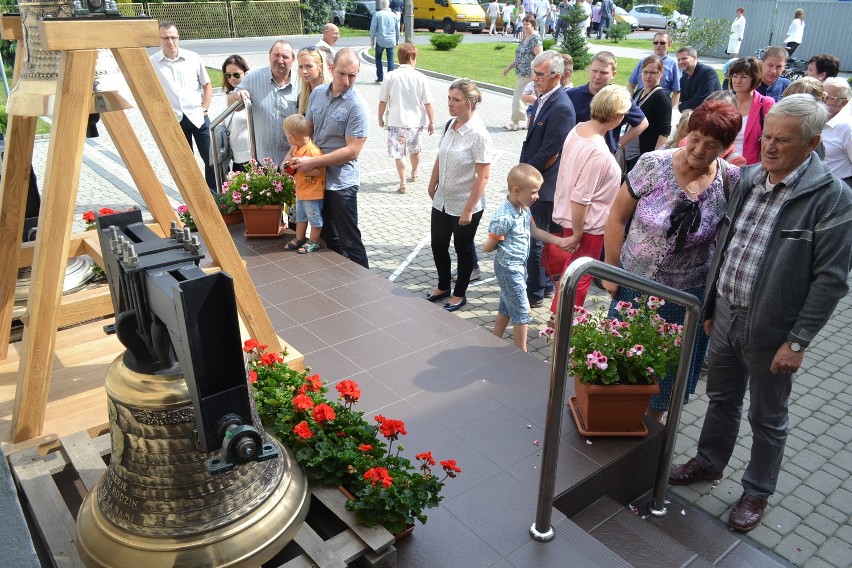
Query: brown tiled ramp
x,y
682,539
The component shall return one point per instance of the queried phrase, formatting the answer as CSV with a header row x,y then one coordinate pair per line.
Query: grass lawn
x,y
485,62
636,43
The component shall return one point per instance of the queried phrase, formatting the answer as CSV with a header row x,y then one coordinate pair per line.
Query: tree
x,y
705,35
574,41
317,13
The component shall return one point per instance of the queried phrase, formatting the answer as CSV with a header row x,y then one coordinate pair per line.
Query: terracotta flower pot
x,y
611,410
233,218
263,220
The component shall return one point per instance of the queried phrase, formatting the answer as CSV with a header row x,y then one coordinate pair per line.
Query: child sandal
x,y
294,244
309,246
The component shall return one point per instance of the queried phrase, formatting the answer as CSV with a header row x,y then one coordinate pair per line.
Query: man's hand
x,y
786,360
431,128
610,287
306,165
242,95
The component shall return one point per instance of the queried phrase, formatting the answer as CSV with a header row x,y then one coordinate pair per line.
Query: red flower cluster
x,y
252,376
323,413
314,383
426,457
365,447
89,216
390,429
450,467
303,430
270,359
349,391
252,346
377,475
303,402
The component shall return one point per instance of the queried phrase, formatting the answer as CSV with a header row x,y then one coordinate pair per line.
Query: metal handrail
x,y
214,154
542,530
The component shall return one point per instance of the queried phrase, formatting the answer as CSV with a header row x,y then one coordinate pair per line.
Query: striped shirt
x,y
752,228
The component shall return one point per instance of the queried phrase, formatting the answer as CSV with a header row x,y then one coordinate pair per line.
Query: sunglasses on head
x,y
234,75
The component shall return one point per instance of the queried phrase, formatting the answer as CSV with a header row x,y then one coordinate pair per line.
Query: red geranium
x,y
365,447
391,429
450,467
252,345
349,391
252,377
377,475
303,402
269,359
314,383
426,457
89,216
303,430
323,413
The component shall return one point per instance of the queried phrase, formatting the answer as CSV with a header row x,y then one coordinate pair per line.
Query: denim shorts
x,y
309,210
513,293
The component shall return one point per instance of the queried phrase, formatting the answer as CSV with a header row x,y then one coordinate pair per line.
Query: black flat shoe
x,y
453,307
435,297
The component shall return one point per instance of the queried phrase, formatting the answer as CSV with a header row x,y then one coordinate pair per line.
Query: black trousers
x,y
201,135
444,227
340,225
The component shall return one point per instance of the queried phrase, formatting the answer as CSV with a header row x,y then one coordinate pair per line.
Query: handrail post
x,y
214,151
542,530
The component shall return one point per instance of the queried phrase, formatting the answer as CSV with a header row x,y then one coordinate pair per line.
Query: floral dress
x,y
524,55
672,239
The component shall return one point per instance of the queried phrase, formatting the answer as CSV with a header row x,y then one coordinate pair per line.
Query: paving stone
x,y
821,523
781,519
844,533
764,535
842,432
835,552
808,460
797,548
817,562
830,511
713,505
824,483
797,505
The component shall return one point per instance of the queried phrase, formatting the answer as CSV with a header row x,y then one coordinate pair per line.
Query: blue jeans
x,y
513,294
380,74
603,28
340,225
201,135
539,283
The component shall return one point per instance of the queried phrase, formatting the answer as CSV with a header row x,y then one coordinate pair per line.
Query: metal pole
x,y
408,16
542,530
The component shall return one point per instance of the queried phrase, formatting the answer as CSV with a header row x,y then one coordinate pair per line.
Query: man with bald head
x,y
341,122
274,94
330,35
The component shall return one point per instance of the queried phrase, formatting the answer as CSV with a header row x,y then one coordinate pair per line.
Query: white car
x,y
621,15
651,16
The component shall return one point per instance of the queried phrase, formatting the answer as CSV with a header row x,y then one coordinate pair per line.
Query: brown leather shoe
x,y
747,513
690,472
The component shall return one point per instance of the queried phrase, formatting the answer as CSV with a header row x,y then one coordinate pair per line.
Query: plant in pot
x,y
231,212
337,446
615,362
263,194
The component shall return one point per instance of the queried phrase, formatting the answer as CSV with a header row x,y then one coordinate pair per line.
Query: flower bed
x,y
337,446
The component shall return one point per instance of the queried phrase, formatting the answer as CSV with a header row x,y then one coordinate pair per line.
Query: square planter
x,y
263,221
611,410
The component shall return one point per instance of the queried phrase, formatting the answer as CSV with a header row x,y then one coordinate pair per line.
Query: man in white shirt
x,y
837,134
330,35
508,12
493,14
542,8
187,86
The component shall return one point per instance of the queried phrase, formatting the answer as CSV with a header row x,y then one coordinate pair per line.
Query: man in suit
x,y
698,80
551,120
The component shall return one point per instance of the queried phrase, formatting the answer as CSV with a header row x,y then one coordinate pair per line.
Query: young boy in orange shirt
x,y
309,189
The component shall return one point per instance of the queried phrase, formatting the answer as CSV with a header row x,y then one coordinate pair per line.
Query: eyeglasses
x,y
831,98
651,73
234,75
169,38
740,76
538,75
660,43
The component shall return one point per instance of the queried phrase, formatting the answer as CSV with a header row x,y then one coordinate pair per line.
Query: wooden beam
x,y
76,247
143,174
158,114
11,28
98,34
64,157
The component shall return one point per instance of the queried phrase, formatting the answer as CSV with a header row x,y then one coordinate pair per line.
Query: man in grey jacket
x,y
782,265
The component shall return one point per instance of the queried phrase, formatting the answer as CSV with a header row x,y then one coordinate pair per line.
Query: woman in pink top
x,y
588,181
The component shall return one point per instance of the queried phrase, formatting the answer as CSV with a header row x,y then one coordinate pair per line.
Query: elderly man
x,y
274,95
341,143
670,82
187,86
837,134
384,35
780,268
552,119
698,80
774,61
410,97
330,35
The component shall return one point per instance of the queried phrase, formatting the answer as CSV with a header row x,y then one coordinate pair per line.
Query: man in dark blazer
x,y
552,118
698,80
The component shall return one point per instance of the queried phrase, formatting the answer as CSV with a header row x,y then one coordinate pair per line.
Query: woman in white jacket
x,y
795,32
737,33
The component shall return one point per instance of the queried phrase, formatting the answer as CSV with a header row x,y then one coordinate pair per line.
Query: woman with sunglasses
x,y
313,72
233,70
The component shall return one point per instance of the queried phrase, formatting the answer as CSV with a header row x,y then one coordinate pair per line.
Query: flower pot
x,y
409,527
263,220
611,410
233,218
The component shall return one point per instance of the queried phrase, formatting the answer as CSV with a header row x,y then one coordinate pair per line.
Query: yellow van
x,y
449,15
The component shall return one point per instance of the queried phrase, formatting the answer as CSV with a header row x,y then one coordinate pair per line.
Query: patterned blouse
x,y
647,250
524,55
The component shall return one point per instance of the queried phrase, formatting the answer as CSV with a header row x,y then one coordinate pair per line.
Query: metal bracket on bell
x,y
239,446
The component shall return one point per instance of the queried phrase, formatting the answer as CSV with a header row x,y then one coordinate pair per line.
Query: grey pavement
x,y
808,521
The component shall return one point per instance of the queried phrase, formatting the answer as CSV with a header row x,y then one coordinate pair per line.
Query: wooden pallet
x,y
55,477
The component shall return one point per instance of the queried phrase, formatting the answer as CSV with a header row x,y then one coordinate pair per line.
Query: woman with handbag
x,y
233,70
677,198
588,182
656,106
457,190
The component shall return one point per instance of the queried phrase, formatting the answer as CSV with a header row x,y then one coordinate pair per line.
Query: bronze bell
x,y
158,505
35,90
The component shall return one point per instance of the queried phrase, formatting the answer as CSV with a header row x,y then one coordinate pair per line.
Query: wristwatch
x,y
795,347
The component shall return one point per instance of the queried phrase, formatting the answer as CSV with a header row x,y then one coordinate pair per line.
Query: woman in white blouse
x,y
795,32
233,70
457,189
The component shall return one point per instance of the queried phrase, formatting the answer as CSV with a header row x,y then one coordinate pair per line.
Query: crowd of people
x,y
746,203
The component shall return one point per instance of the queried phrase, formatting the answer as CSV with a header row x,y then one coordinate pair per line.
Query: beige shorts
x,y
402,141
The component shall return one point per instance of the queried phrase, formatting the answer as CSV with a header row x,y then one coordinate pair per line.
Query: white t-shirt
x,y
406,91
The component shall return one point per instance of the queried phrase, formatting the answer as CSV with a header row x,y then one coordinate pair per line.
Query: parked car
x,y
449,15
359,14
651,16
338,17
621,15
